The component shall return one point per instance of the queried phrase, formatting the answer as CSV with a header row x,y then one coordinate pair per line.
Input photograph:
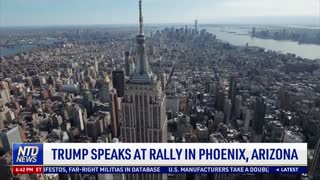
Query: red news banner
x,y
27,169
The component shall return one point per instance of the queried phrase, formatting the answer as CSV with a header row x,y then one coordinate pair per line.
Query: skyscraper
x,y
115,124
237,106
88,102
143,106
77,117
232,91
246,119
196,25
96,65
227,110
93,128
118,82
104,90
8,137
259,118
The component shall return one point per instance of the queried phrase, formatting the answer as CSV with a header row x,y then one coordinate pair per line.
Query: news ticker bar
x,y
160,154
159,170
124,158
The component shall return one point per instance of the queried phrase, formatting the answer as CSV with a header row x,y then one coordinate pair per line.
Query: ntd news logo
x,y
27,154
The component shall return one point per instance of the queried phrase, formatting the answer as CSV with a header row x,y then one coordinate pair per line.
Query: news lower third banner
x,y
168,158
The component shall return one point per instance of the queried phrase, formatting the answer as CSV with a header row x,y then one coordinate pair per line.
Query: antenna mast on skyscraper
x,y
140,17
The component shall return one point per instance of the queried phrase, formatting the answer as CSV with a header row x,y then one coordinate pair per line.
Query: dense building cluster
x,y
301,35
241,94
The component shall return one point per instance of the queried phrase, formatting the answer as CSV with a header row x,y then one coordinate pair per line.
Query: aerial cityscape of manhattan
x,y
160,71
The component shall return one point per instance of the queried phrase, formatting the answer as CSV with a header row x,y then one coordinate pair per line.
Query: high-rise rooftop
x,y
142,73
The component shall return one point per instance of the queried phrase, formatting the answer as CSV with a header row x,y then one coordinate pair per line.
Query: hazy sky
x,y
74,12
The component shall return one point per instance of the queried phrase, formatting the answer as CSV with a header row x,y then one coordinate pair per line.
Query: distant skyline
x,y
90,12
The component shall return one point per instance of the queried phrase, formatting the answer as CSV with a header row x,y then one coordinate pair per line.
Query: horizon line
x,y
219,21
156,24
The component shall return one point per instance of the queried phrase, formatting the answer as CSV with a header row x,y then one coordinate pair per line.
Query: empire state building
x,y
143,107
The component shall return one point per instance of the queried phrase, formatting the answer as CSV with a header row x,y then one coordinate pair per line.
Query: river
x,y
15,50
239,36
24,48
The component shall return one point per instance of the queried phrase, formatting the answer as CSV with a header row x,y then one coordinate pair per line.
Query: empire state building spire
x,y
142,72
140,17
